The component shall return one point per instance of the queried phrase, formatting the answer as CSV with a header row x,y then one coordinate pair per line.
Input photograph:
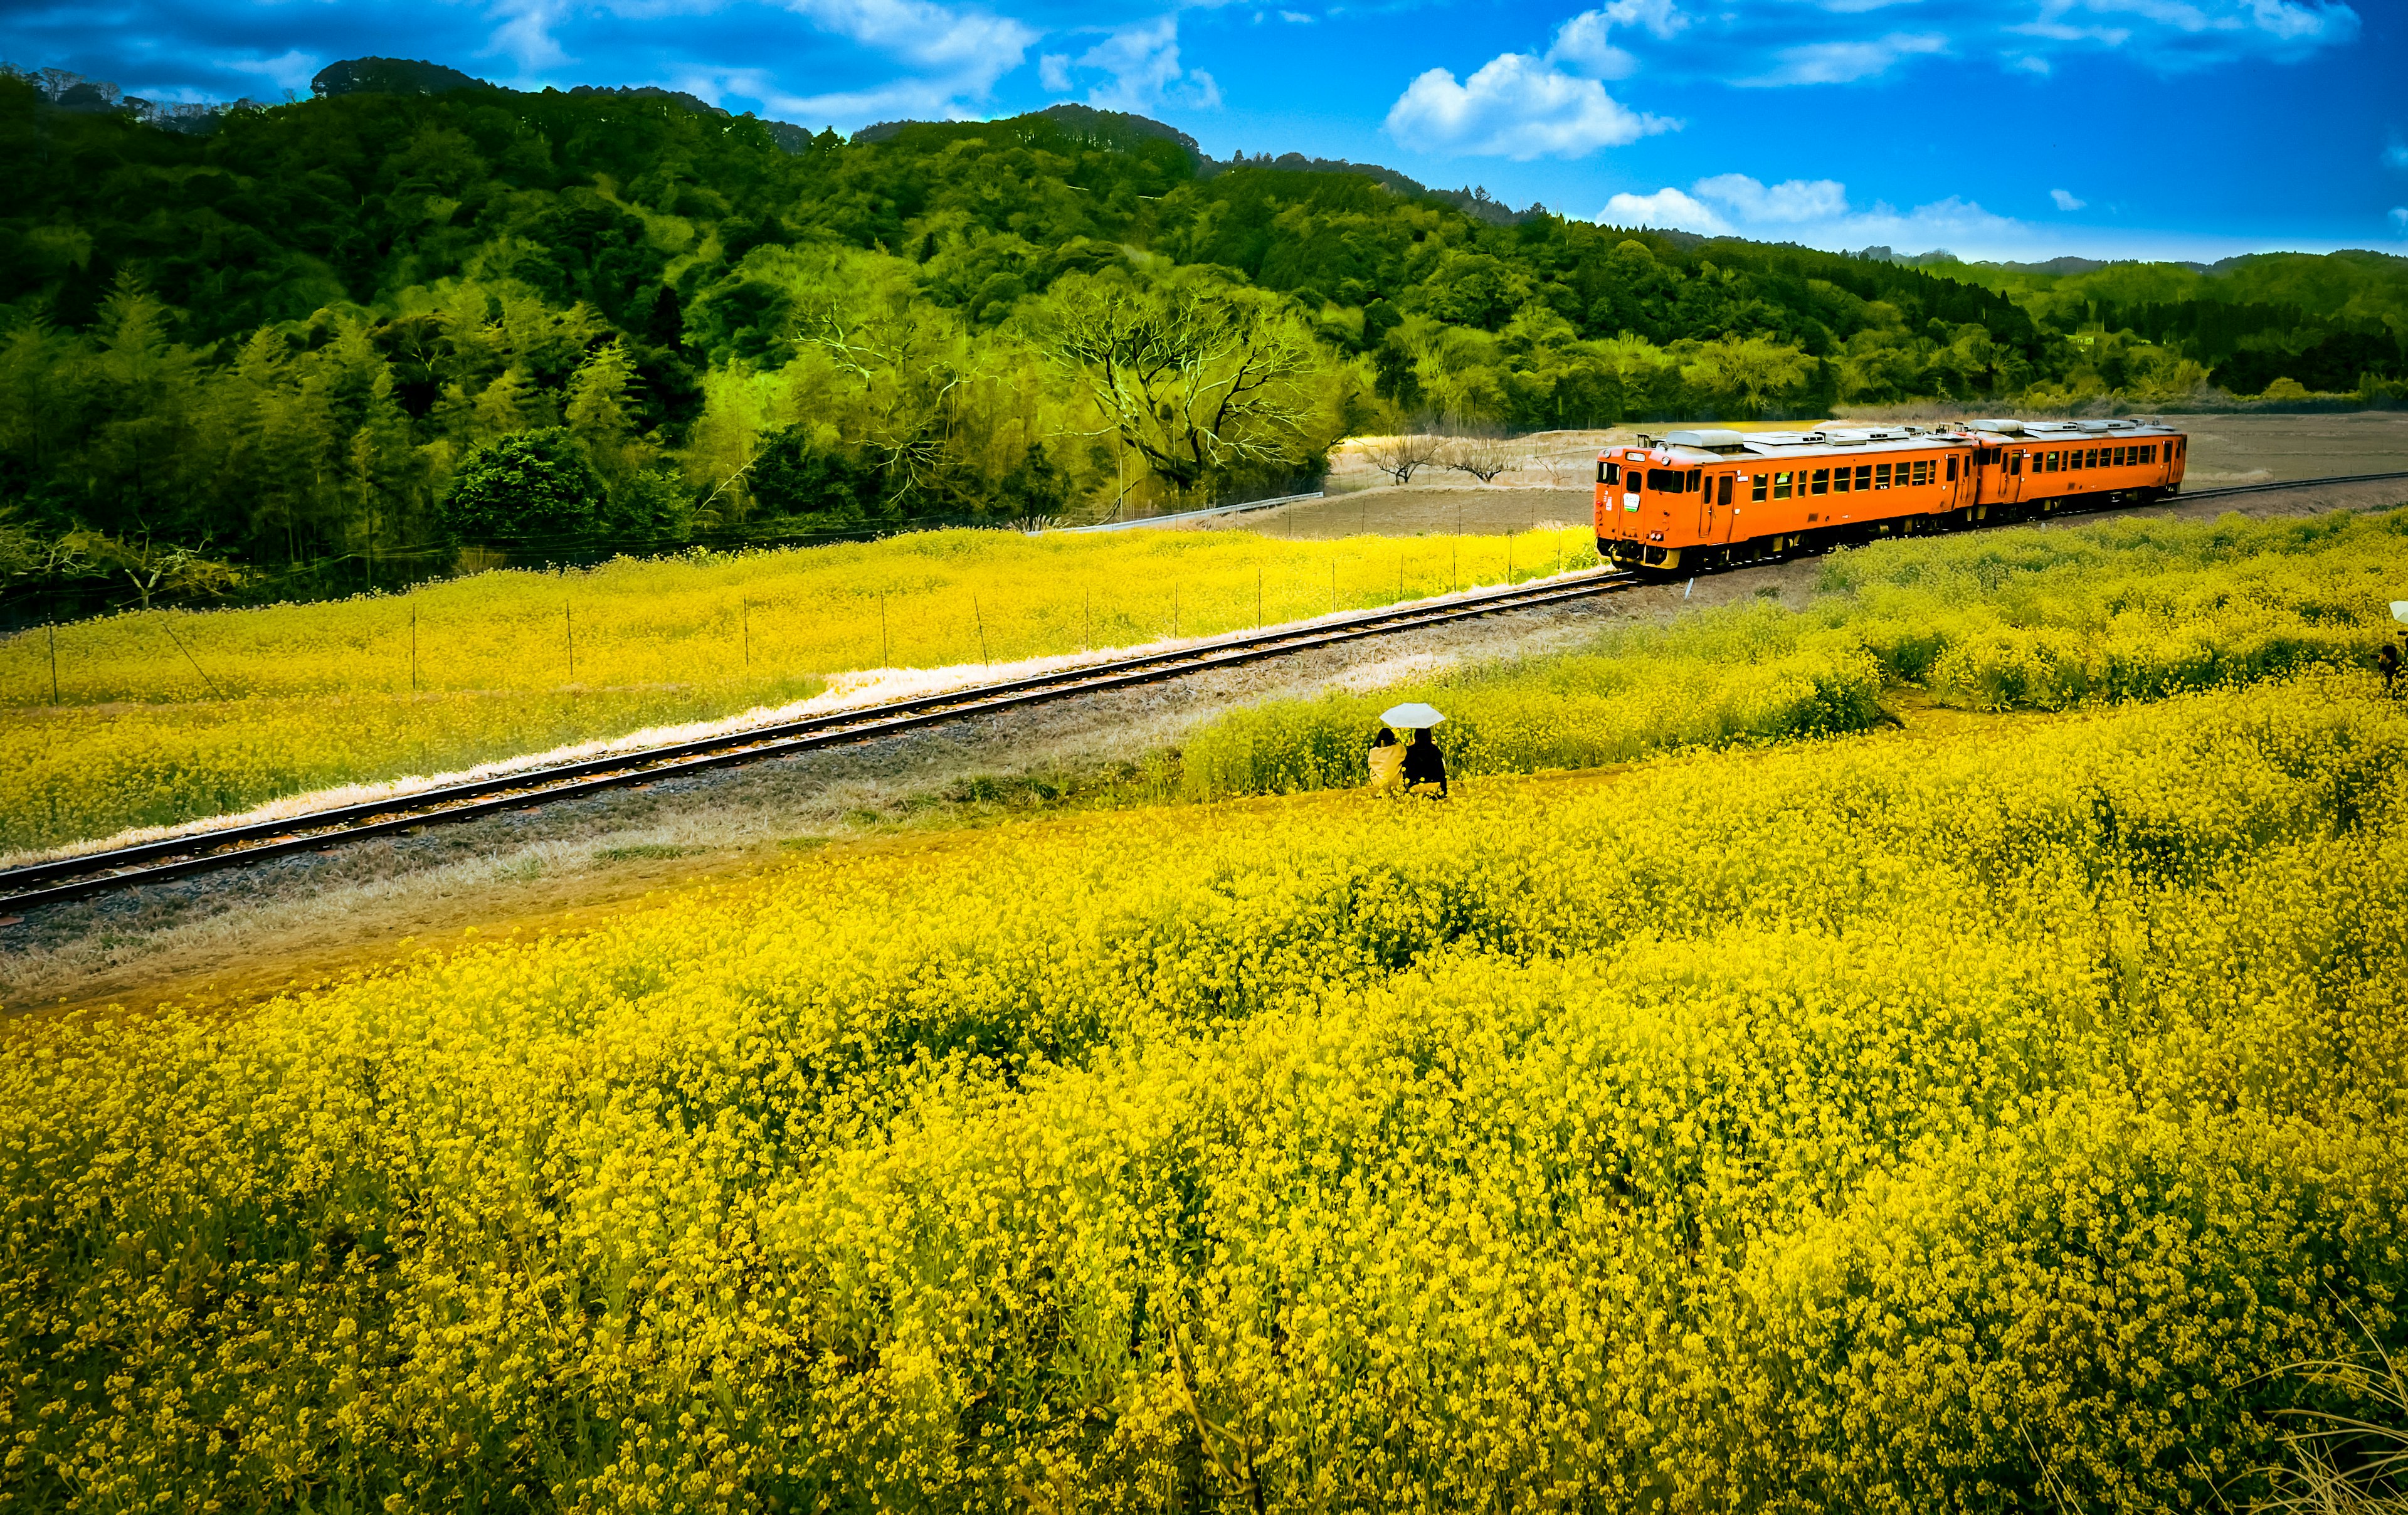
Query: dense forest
x,y
403,317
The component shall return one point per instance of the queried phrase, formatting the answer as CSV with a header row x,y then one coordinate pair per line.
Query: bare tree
x,y
1400,457
1193,381
908,373
1482,457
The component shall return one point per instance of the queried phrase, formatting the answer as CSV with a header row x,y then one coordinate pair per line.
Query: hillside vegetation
x,y
1887,1124
339,338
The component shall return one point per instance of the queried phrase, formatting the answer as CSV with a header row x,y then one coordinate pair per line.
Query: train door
x,y
1713,508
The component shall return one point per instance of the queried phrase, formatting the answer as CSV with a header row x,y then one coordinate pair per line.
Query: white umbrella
x,y
2399,610
1418,717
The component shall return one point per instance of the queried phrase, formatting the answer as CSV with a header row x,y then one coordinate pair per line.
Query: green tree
x,y
529,485
828,486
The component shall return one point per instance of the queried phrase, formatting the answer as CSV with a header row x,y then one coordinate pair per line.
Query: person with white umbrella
x,y
1424,762
2388,658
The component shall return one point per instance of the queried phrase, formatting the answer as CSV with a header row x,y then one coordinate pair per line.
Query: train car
x,y
1702,498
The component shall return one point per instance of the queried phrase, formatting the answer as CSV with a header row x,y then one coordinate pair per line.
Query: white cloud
x,y
1665,208
967,45
292,71
1791,200
945,59
527,35
1582,44
2399,220
1844,63
1142,61
2395,154
2177,35
1817,213
1053,72
2321,22
2065,200
1298,17
1515,107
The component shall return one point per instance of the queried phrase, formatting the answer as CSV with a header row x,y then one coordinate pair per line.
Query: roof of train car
x,y
1706,445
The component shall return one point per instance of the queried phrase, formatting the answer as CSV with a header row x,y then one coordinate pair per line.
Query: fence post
x,y
980,621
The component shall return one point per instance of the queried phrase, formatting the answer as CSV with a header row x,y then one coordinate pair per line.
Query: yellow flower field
x,y
2045,620
165,716
1886,1122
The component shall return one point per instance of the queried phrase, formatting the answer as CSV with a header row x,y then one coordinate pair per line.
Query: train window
x,y
1609,473
1694,475
1727,479
1781,486
1755,487
2090,458
1864,476
1952,467
1881,476
2015,464
1841,478
1822,480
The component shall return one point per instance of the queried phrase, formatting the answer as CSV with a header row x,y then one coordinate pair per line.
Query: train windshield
x,y
1671,480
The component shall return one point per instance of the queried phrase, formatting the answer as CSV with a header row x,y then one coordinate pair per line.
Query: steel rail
x,y
80,876
77,876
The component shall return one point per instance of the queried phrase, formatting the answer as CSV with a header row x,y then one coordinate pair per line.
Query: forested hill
x,y
381,321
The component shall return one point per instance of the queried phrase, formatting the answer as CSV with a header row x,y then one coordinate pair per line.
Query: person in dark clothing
x,y
1424,764
2386,662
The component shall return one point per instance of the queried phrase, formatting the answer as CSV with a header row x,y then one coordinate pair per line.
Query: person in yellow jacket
x,y
1387,763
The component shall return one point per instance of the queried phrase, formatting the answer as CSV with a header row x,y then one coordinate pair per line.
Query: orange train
x,y
1696,499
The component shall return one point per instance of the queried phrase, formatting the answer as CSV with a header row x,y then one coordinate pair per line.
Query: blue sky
x,y
1994,128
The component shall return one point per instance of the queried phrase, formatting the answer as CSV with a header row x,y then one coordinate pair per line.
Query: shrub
x,y
531,484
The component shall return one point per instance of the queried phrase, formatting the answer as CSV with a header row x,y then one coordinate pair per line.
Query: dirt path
x,y
233,936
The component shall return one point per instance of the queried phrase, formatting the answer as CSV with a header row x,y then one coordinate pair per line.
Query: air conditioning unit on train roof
x,y
1724,442
2006,427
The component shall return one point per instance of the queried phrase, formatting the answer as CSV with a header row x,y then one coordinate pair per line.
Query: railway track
x,y
77,876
